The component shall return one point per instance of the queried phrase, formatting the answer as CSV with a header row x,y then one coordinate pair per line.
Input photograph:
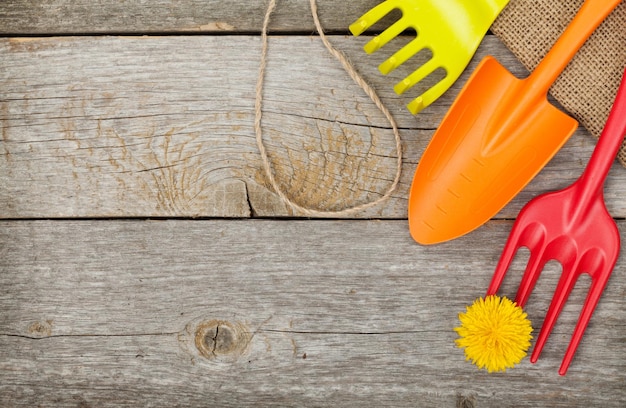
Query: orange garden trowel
x,y
496,137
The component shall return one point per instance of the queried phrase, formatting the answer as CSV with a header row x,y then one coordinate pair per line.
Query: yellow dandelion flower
x,y
495,333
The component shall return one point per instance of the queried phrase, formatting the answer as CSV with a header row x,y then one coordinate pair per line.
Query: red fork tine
x,y
562,292
513,244
506,258
597,287
535,265
599,264
523,234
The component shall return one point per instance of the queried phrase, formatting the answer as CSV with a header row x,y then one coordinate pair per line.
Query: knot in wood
x,y
221,338
40,329
463,401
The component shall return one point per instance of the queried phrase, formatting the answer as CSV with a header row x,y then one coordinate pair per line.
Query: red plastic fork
x,y
573,227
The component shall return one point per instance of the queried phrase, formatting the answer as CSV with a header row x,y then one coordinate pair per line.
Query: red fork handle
x,y
592,179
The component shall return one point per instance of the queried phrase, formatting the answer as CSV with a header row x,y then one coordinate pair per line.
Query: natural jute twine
x,y
358,80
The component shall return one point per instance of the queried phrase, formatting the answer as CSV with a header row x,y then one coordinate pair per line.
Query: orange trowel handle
x,y
588,18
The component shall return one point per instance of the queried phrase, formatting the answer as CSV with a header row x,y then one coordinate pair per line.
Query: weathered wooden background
x,y
145,261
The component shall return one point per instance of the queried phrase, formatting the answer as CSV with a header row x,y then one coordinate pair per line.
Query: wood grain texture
x,y
163,126
20,17
245,312
298,313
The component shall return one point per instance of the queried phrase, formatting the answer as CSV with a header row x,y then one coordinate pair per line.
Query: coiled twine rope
x,y
358,80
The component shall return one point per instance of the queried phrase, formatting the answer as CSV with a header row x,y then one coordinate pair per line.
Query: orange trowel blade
x,y
496,137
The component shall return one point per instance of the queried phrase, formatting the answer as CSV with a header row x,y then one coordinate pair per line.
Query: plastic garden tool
x,y
451,29
573,227
498,134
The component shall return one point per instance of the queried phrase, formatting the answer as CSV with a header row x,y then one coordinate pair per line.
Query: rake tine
x,y
383,38
562,292
597,287
431,95
372,17
400,57
416,76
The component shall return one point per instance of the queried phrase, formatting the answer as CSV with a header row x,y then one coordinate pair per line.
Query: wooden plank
x,y
22,17
308,313
163,126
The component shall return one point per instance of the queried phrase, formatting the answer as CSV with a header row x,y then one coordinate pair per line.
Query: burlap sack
x,y
587,87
